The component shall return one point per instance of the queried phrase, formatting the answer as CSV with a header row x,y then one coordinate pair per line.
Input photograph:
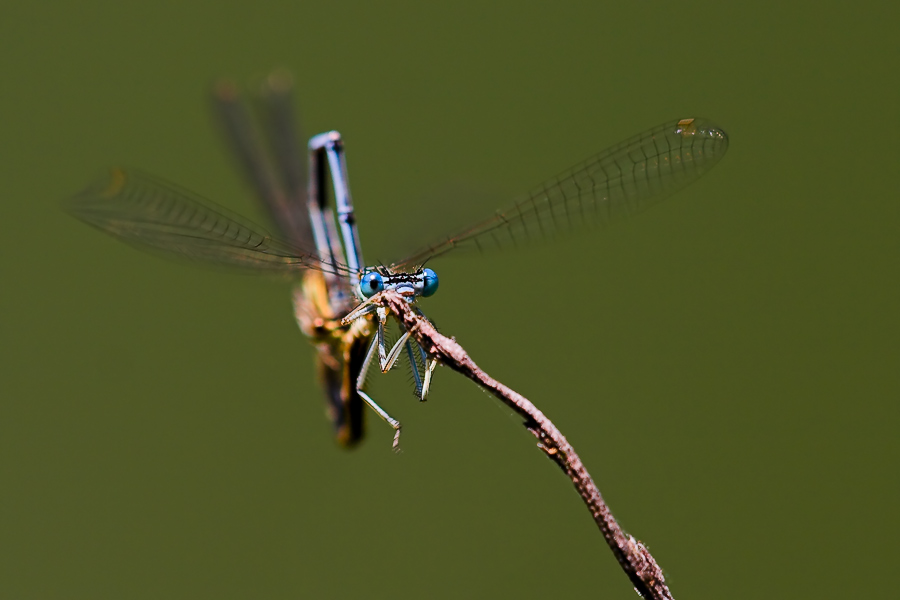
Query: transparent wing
x,y
155,215
278,177
620,181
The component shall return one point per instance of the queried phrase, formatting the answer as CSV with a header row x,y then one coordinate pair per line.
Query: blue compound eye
x,y
431,282
371,284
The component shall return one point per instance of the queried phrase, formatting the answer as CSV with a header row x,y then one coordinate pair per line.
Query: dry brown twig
x,y
633,556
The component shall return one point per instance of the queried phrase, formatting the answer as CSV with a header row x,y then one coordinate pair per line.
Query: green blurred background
x,y
726,363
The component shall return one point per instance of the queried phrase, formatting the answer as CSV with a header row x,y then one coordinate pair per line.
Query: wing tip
x,y
704,129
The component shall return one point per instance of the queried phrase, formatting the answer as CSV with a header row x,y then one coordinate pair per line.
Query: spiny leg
x,y
394,354
388,360
417,377
404,343
379,338
422,384
430,363
360,382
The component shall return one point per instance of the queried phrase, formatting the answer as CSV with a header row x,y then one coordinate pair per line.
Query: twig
x,y
633,556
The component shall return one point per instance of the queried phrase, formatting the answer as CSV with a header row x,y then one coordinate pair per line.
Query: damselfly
x,y
336,303
278,175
